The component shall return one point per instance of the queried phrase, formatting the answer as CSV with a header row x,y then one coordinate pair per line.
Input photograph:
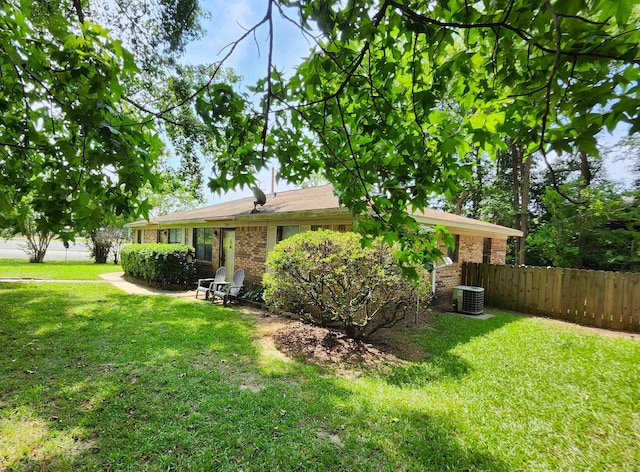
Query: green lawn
x,y
117,382
57,270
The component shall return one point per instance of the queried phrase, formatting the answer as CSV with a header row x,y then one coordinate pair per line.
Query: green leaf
x,y
623,12
588,144
477,120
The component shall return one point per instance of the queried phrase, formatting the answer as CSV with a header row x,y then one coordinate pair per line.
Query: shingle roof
x,y
308,200
315,198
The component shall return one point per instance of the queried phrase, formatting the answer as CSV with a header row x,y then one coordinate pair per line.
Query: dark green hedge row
x,y
161,264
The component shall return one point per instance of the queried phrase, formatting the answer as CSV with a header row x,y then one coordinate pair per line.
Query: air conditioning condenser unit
x,y
467,299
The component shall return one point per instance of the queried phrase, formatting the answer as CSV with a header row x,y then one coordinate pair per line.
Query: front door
x,y
228,251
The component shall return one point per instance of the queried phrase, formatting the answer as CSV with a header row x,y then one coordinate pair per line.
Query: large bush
x,y
160,264
330,278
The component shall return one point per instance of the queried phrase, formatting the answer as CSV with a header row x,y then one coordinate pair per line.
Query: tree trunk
x,y
37,243
525,182
37,256
586,176
459,202
101,252
478,186
585,170
521,169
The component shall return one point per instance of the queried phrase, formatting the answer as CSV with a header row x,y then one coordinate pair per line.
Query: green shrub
x,y
330,278
160,264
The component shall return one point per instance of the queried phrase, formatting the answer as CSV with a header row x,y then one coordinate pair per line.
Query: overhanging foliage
x,y
68,144
395,93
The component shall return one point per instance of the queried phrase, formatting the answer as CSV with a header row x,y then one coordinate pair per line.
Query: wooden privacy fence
x,y
592,298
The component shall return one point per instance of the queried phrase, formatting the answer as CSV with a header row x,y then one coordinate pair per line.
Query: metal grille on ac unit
x,y
469,300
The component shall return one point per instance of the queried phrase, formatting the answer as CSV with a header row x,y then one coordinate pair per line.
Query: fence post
x,y
591,302
599,286
633,289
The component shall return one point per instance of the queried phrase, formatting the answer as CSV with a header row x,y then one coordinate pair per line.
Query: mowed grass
x,y
110,381
56,270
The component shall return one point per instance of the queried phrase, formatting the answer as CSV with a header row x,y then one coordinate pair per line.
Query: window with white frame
x,y
174,236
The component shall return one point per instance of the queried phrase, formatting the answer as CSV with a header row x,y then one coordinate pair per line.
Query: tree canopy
x,y
68,142
394,94
392,97
78,148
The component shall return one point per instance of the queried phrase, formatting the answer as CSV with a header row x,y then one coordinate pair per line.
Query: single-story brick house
x,y
230,234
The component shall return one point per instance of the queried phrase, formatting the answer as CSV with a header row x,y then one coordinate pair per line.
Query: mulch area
x,y
330,346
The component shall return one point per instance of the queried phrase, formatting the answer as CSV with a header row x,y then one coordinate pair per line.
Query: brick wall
x,y
498,251
150,236
251,252
470,249
446,279
215,248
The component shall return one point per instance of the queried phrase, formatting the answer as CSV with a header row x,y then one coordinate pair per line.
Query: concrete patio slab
x,y
484,316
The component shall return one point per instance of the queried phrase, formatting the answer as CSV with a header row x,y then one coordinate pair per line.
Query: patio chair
x,y
209,285
230,291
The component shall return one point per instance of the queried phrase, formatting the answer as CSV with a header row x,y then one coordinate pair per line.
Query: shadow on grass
x,y
445,333
70,354
109,381
57,270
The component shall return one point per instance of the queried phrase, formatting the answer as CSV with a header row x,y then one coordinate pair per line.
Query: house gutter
x,y
137,224
474,228
271,216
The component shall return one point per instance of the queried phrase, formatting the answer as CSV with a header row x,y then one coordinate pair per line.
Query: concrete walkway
x,y
117,279
36,280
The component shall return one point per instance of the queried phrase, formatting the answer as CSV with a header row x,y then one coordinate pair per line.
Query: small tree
x,y
32,225
100,245
330,278
37,244
104,242
119,236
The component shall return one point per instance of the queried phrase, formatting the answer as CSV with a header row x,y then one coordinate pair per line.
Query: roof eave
x,y
138,224
324,212
474,228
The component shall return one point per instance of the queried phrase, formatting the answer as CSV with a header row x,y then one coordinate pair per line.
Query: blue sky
x,y
230,19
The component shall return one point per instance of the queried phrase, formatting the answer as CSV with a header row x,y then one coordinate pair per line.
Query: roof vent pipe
x,y
273,181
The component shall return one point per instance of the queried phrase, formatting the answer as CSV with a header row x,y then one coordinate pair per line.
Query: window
x,y
285,232
202,242
486,251
139,236
339,228
452,253
175,236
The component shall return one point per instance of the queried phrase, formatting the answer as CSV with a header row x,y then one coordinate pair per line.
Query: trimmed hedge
x,y
329,278
160,264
